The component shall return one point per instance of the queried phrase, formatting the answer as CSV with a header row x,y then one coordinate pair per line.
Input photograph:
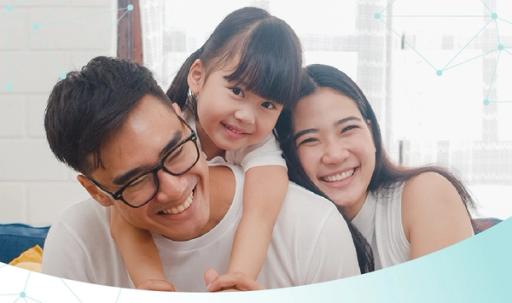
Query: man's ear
x,y
94,191
195,77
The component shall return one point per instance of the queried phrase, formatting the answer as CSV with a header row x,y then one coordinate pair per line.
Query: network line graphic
x,y
490,20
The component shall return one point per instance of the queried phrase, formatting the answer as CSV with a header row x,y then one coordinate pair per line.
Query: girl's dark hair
x,y
386,172
269,52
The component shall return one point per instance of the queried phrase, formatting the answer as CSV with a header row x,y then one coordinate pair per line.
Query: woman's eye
x,y
347,128
308,141
268,105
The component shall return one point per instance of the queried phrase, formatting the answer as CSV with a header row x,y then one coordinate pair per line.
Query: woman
x,y
332,143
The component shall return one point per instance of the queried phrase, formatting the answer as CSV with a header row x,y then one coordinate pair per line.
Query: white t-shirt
x,y
380,222
310,243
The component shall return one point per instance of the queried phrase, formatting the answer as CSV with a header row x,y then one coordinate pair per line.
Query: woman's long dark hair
x,y
386,172
269,52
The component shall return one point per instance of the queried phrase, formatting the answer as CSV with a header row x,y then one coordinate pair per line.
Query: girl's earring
x,y
191,99
191,103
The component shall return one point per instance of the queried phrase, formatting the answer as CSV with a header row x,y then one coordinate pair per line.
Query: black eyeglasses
x,y
140,190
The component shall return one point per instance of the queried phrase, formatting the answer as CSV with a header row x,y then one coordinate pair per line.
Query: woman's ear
x,y
94,191
195,77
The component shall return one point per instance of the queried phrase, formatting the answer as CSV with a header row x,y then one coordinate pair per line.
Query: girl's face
x,y
335,147
229,115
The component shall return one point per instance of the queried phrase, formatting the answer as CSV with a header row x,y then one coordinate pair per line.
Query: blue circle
x,y
377,15
501,46
36,26
486,101
22,294
439,72
8,7
9,87
130,7
494,16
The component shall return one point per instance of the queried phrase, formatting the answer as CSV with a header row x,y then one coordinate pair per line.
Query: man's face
x,y
180,209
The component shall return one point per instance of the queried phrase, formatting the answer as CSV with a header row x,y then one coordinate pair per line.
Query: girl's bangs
x,y
270,62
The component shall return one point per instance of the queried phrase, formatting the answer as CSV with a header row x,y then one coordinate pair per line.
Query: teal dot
x,y
62,76
23,294
9,87
501,46
494,16
8,7
486,101
439,72
36,26
130,7
377,15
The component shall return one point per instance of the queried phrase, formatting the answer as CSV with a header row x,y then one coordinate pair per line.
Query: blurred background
x,y
436,73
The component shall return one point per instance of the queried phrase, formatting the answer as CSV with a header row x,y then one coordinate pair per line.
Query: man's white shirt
x,y
310,243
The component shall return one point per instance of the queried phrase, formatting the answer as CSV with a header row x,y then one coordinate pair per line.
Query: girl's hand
x,y
233,281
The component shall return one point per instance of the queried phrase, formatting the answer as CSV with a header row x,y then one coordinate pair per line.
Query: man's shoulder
x,y
306,212
305,200
83,219
83,211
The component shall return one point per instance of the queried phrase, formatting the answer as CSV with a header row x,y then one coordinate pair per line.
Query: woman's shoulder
x,y
428,185
430,199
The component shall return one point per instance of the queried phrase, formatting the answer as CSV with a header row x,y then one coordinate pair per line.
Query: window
x,y
436,72
450,104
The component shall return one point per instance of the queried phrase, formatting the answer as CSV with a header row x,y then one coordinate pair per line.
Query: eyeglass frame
x,y
118,194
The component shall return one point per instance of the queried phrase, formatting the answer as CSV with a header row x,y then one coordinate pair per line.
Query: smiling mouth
x,y
233,129
339,176
179,208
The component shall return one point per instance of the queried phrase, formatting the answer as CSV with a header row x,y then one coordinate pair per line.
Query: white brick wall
x,y
41,40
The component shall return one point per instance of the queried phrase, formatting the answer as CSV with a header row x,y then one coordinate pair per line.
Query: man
x,y
113,124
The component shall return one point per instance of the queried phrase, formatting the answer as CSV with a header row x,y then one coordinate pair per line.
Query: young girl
x,y
234,88
333,146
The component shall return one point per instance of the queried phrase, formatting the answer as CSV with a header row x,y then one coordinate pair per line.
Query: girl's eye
x,y
268,105
237,91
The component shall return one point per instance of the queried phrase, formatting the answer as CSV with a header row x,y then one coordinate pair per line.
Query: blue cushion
x,y
16,238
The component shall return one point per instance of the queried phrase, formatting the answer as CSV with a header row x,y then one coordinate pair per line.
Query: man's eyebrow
x,y
124,178
314,130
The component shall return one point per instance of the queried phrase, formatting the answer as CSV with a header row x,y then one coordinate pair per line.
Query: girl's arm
x,y
433,214
264,190
139,253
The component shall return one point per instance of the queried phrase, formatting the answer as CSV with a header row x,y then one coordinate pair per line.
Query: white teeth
x,y
180,208
232,129
340,176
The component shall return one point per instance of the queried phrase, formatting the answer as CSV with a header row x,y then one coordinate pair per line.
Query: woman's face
x,y
335,147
